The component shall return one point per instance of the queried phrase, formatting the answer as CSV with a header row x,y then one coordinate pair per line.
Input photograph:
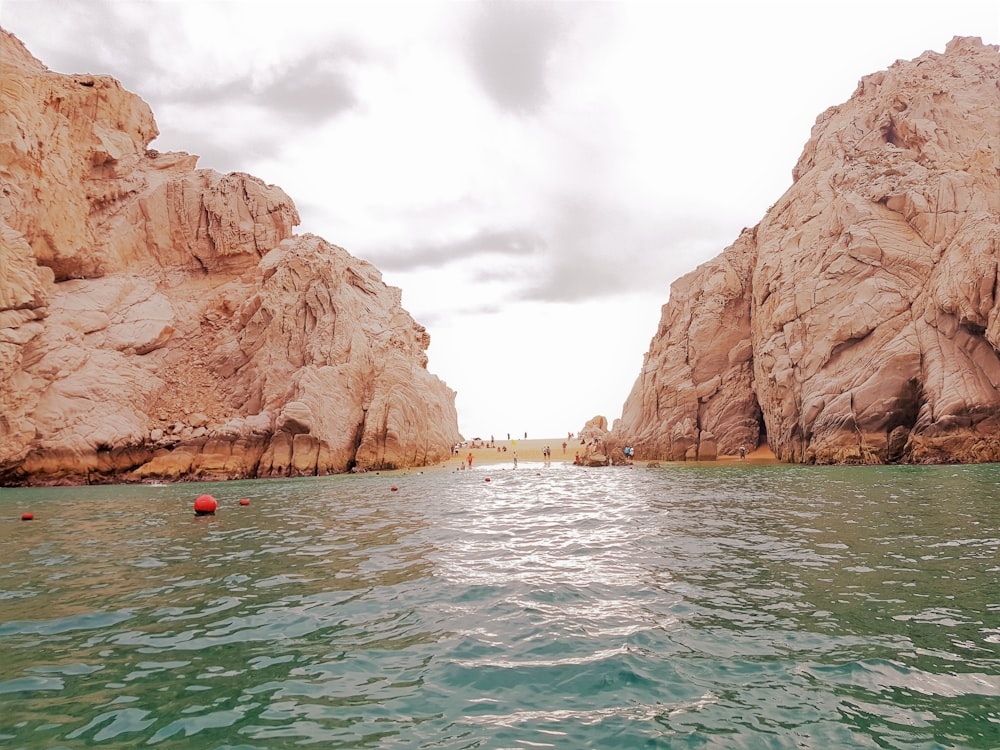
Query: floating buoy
x,y
205,505
394,488
244,501
27,516
487,479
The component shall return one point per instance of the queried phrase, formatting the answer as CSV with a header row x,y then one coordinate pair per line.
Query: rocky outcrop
x,y
859,322
161,321
596,427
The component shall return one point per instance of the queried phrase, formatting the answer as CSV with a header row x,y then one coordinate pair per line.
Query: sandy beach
x,y
527,450
531,451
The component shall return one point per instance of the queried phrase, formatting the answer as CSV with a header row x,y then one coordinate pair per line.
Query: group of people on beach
x,y
591,446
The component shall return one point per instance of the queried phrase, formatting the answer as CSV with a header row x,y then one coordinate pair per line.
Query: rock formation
x,y
859,321
596,427
161,321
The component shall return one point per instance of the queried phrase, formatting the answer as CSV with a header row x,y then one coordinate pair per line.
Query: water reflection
x,y
719,606
557,528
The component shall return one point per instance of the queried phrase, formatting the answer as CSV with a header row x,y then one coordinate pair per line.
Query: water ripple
x,y
704,606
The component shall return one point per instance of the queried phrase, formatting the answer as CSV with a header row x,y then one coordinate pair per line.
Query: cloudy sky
x,y
533,175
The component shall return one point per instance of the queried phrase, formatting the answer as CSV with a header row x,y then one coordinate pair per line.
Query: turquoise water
x,y
729,606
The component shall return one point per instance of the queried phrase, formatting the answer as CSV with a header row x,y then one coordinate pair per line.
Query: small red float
x,y
27,516
205,505
244,501
394,488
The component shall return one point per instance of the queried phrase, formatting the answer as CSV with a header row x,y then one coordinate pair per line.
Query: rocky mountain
x,y
859,321
159,321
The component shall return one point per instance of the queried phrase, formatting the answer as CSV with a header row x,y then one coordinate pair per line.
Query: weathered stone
x,y
138,293
859,321
597,427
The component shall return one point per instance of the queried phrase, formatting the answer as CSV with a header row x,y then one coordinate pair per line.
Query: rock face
x,y
160,321
597,427
859,322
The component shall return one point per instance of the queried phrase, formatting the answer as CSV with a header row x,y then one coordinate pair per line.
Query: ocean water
x,y
688,606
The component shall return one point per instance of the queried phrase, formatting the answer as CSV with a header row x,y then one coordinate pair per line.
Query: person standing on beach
x,y
469,459
515,459
743,453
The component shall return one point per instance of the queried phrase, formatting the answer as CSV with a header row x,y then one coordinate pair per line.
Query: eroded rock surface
x,y
161,321
858,322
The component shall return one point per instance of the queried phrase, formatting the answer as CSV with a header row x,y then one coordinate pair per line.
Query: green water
x,y
730,606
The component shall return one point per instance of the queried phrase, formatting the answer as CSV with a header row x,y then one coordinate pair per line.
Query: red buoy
x,y
244,501
394,488
27,516
205,505
487,479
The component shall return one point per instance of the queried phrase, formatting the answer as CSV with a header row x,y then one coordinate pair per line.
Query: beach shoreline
x,y
531,451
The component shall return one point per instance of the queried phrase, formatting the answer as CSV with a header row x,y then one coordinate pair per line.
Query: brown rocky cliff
x,y
160,321
859,321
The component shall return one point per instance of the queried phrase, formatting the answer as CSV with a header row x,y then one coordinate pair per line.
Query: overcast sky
x,y
533,175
